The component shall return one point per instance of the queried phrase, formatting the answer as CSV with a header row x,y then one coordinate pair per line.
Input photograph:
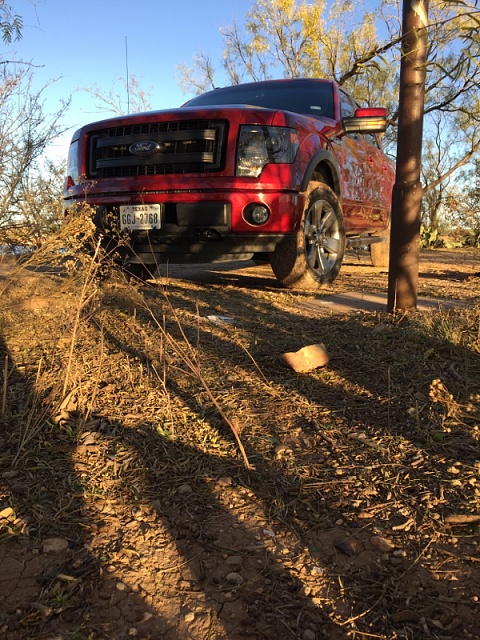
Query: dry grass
x,y
206,491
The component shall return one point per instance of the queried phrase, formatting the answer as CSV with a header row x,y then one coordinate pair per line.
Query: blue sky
x,y
83,44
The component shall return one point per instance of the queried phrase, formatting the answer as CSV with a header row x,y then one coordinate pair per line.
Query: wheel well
x,y
323,173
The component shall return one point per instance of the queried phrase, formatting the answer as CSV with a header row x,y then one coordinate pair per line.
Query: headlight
x,y
259,146
73,170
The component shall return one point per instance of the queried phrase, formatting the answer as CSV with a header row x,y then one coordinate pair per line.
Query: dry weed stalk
x,y
190,358
97,379
37,415
5,386
84,298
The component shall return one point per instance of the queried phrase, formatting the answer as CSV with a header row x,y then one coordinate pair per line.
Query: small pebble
x,y
396,562
185,490
234,561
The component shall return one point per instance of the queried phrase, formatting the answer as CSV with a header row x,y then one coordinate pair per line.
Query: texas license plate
x,y
140,217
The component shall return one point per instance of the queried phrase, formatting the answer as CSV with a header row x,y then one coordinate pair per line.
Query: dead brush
x,y
62,270
158,349
189,356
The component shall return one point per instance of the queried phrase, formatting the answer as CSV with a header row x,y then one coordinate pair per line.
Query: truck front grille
x,y
160,148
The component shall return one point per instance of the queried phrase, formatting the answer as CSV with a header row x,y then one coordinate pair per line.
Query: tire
x,y
380,251
137,272
314,255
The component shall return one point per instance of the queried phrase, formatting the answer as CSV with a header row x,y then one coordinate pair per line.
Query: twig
x,y
95,388
5,386
462,519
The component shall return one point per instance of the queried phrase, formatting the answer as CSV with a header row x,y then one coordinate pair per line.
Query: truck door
x,y
351,150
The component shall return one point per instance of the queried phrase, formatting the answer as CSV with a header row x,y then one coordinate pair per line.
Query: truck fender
x,y
332,169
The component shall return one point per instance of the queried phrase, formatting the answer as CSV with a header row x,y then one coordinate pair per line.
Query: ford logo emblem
x,y
144,148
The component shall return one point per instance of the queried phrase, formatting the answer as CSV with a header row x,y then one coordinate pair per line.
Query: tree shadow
x,y
92,566
382,406
171,536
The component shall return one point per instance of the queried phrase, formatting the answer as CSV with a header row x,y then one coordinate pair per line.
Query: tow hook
x,y
205,235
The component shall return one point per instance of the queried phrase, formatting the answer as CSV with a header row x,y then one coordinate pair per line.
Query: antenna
x,y
128,80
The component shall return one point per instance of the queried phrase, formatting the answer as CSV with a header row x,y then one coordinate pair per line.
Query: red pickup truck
x,y
291,171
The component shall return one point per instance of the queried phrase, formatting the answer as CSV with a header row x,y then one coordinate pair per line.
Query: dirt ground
x,y
128,509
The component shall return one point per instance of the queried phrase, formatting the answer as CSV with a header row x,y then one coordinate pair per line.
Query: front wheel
x,y
314,255
134,271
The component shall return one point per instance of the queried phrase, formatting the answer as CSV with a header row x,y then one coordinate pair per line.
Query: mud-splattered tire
x,y
314,256
138,272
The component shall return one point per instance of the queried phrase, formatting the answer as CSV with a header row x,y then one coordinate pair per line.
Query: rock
x,y
234,561
349,547
235,579
309,635
396,562
185,490
189,617
54,545
307,358
382,544
146,617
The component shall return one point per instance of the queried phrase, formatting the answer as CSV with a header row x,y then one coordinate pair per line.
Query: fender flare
x,y
328,158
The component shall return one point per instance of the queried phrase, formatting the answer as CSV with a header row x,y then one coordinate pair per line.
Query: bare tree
x,y
123,97
25,132
40,209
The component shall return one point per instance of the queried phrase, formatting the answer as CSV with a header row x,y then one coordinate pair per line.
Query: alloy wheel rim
x,y
322,237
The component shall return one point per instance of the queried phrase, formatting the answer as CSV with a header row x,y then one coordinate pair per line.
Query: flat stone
x,y
54,545
306,359
234,561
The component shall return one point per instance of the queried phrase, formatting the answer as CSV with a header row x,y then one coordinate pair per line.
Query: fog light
x,y
259,214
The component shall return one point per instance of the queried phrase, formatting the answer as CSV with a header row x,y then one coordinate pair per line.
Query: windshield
x,y
309,97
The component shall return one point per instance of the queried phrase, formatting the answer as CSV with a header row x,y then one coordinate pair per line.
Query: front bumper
x,y
212,229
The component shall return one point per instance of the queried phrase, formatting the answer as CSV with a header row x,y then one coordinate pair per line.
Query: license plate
x,y
140,217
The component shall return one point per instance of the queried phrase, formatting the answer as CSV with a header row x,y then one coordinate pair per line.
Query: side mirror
x,y
366,120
